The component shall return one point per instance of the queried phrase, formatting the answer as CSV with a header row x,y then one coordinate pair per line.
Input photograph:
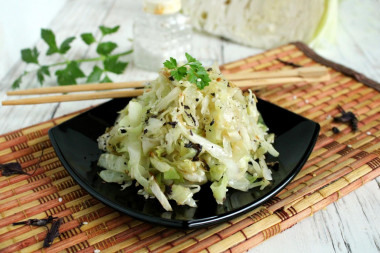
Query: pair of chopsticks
x,y
132,89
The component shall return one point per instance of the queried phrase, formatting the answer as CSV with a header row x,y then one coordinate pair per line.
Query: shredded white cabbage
x,y
175,137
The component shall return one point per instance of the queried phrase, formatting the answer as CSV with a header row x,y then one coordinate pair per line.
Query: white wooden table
x,y
352,224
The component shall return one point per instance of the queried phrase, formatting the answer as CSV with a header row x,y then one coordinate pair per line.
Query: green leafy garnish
x,y
95,75
69,71
108,30
171,64
30,55
190,58
69,74
17,82
88,38
105,48
106,79
112,64
65,46
49,37
41,73
195,72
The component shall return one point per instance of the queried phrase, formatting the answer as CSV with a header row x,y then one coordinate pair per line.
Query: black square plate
x,y
75,144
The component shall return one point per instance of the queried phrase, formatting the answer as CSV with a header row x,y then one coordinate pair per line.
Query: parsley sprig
x,y
71,71
195,73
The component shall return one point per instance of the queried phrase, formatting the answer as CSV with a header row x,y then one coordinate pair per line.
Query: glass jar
x,y
160,33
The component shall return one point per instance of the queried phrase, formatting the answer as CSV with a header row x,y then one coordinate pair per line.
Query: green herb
x,y
112,64
95,75
69,74
69,71
30,56
195,72
108,30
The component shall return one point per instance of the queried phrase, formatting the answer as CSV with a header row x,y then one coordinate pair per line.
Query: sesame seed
x,y
294,97
349,145
368,133
84,222
306,101
198,80
60,199
328,116
97,251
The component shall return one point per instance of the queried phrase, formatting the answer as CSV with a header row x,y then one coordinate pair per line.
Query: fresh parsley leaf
x,y
182,70
112,64
192,76
108,30
106,79
195,73
95,75
70,70
69,74
48,36
179,73
201,71
65,46
88,38
30,56
17,82
190,58
177,76
41,72
105,48
170,64
205,81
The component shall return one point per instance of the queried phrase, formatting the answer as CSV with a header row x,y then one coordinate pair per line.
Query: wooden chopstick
x,y
74,97
305,72
136,92
77,88
243,80
274,81
313,71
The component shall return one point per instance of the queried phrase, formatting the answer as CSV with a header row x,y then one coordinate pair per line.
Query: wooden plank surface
x,y
350,224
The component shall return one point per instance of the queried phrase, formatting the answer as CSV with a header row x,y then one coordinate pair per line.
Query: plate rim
x,y
184,224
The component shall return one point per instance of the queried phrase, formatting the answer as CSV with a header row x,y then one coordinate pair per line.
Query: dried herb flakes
x,y
9,169
36,222
347,117
53,233
15,168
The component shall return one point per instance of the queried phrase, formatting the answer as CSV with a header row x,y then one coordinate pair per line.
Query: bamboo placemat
x,y
339,164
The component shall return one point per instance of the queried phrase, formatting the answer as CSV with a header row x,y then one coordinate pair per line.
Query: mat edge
x,y
338,67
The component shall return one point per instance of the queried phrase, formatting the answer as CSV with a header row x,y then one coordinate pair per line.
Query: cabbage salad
x,y
177,136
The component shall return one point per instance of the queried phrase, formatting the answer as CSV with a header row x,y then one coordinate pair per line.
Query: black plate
x,y
75,144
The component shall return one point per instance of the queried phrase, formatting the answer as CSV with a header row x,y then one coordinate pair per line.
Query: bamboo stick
x,y
74,97
77,88
267,77
132,93
276,81
306,72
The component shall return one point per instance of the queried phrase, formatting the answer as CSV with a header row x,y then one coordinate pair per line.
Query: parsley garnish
x,y
195,73
68,71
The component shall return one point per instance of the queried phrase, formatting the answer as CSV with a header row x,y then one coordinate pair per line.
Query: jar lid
x,y
160,7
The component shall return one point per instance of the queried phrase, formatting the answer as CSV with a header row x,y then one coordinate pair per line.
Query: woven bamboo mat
x,y
339,164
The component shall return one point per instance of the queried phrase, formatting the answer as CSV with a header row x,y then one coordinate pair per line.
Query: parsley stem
x,y
124,53
100,58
